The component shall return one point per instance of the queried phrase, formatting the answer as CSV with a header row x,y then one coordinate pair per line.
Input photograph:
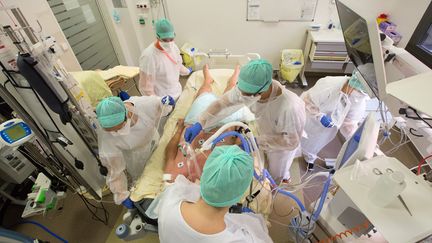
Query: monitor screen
x,y
357,41
420,44
15,133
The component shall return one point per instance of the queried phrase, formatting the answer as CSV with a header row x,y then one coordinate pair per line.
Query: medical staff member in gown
x,y
161,64
280,115
128,137
188,212
333,104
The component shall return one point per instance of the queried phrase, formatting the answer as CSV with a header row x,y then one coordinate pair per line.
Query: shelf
x,y
414,91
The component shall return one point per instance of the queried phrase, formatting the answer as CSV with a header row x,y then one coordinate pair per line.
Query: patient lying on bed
x,y
176,158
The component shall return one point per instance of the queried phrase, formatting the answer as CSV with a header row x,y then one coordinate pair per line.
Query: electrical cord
x,y
94,213
421,118
403,111
416,167
412,130
421,163
44,228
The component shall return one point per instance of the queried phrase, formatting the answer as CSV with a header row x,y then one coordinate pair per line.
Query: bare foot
x,y
207,76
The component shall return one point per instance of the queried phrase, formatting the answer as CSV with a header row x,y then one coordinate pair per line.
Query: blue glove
x,y
168,100
190,70
326,121
128,203
124,95
192,132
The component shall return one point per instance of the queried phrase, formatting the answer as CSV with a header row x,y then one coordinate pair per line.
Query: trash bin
x,y
291,64
187,52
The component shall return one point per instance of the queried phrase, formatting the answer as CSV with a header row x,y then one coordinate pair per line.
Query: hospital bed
x,y
150,184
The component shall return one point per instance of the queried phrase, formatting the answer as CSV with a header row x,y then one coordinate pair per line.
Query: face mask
x,y
125,130
245,99
167,46
357,95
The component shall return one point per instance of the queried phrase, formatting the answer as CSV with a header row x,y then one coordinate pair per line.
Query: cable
x,y
404,111
416,167
275,211
44,228
421,118
94,213
421,163
415,135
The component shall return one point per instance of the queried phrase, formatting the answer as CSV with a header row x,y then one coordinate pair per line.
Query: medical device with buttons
x,y
14,166
15,132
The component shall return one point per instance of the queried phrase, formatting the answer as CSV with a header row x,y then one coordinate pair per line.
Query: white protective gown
x,y
324,99
247,227
160,71
281,120
130,152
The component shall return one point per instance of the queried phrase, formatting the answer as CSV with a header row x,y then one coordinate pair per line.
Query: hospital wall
x,y
410,12
39,10
221,24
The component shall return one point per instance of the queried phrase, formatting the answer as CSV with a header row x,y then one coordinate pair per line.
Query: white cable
x,y
303,184
415,167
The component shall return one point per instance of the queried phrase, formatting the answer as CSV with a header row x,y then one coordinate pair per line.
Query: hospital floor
x,y
75,224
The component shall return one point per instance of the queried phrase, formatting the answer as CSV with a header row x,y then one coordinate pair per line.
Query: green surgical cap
x,y
227,174
256,76
164,29
355,83
111,112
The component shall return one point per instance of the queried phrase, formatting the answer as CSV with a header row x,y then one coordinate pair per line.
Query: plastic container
x,y
387,188
292,61
395,36
386,26
187,51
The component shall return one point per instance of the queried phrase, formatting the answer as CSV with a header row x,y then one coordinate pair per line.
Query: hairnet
x,y
355,83
111,112
226,175
256,76
164,29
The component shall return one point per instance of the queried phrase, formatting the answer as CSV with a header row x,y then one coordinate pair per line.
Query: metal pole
x,y
13,103
12,35
25,25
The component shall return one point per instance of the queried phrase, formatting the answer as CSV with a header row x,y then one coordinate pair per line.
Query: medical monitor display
x,y
15,133
357,41
420,44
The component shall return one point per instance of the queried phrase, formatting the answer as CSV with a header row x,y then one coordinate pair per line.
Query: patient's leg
x,y
171,149
208,80
233,79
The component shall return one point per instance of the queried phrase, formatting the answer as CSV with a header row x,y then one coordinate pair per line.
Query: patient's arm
x,y
171,149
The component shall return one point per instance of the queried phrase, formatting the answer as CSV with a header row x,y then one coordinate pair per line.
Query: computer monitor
x,y
420,44
363,45
361,146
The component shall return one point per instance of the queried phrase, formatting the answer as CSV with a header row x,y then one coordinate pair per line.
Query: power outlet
x,y
143,5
